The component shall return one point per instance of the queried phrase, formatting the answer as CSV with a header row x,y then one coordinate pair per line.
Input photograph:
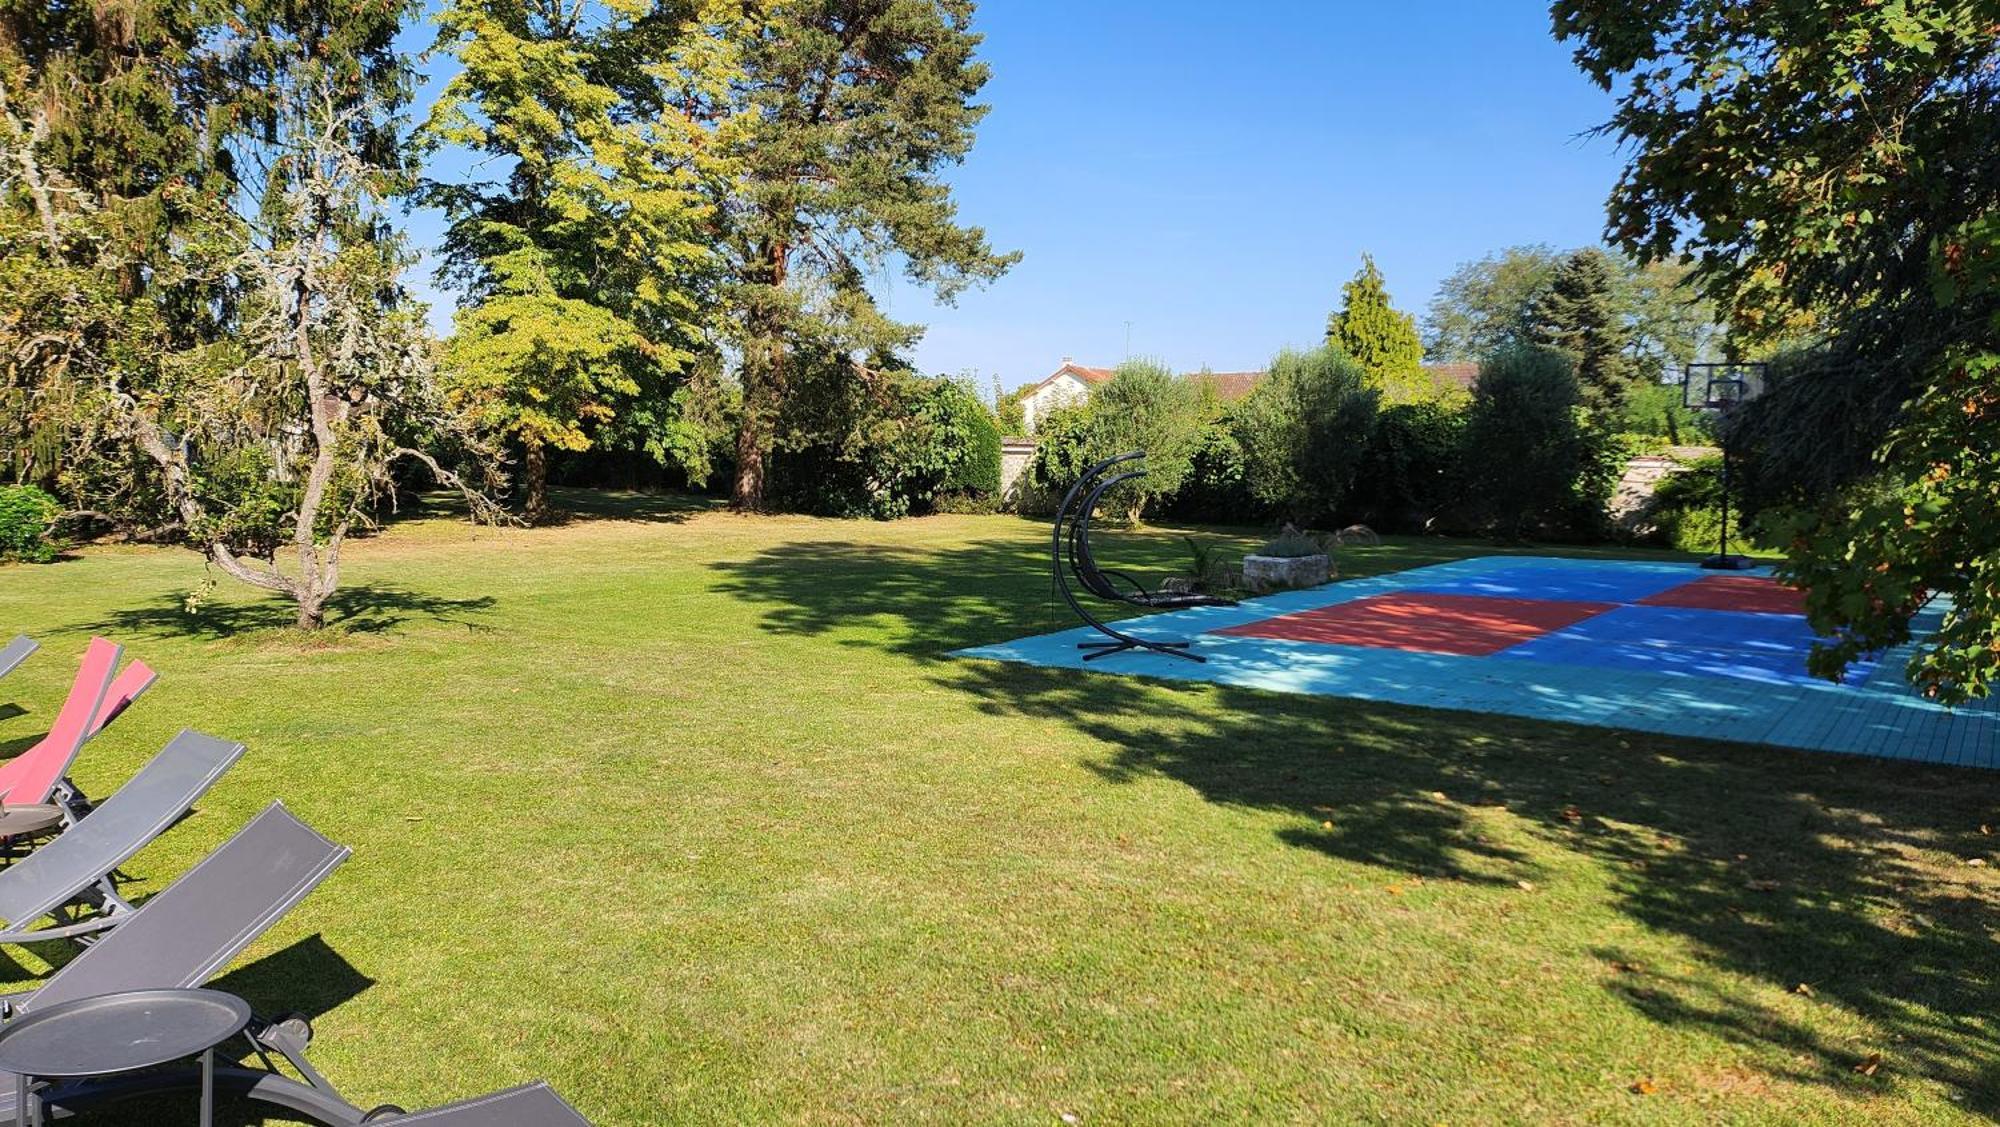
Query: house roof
x,y
1459,373
1087,375
1229,386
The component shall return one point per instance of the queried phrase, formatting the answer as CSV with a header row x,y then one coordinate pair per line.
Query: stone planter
x,y
1275,573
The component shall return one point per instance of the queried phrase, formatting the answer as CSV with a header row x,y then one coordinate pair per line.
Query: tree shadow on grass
x,y
579,506
1787,868
363,610
1777,867
933,601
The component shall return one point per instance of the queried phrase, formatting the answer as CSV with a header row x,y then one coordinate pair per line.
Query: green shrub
x,y
1215,488
900,445
1142,407
1412,470
25,513
1685,510
1656,409
1304,430
1209,572
970,437
1062,452
1532,465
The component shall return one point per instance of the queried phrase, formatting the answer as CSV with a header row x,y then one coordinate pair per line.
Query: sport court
x,y
1657,647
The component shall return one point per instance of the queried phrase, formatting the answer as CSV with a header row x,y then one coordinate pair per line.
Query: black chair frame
x,y
1072,560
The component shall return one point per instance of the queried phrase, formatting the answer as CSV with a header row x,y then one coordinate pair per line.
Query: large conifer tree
x,y
851,111
1580,316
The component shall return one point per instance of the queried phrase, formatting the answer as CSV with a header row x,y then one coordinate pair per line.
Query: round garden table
x,y
116,1033
28,820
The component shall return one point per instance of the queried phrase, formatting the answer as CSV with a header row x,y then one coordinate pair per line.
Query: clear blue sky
x,y
1212,172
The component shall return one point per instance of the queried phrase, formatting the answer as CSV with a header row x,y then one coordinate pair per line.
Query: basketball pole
x,y
1722,560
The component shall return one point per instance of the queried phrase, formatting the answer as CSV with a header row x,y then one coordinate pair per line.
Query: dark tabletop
x,y
113,1033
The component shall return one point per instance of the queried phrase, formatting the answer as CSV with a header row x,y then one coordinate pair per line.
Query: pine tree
x,y
581,272
851,111
1380,337
1581,316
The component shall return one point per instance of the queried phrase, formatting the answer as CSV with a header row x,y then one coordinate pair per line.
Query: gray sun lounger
x,y
197,926
16,652
185,934
531,1105
69,879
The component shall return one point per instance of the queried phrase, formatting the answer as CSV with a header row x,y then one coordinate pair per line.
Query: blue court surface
x,y
1654,647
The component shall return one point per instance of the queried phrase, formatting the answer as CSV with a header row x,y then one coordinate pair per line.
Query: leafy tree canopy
x,y
1305,430
1835,167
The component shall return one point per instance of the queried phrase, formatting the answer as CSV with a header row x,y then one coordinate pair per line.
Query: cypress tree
x,y
1580,316
1380,337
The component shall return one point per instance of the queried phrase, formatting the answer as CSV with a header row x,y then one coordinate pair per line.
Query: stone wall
x,y
1644,474
1014,456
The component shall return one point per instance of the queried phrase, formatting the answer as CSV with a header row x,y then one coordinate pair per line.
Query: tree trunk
x,y
763,384
312,611
535,465
748,495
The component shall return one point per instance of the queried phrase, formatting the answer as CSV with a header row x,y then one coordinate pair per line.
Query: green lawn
x,y
689,814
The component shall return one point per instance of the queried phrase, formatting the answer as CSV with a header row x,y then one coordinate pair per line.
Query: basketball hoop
x,y
1720,389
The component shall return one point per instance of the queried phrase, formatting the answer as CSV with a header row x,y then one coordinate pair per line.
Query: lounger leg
x,y
208,1087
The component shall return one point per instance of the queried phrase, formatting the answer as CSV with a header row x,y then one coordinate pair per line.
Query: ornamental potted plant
x,y
1291,559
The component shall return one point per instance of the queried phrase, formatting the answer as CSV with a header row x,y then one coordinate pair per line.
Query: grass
x,y
689,814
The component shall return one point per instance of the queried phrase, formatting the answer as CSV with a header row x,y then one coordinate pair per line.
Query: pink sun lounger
x,y
99,693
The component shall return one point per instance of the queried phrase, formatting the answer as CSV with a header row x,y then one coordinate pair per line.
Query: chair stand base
x,y
1109,647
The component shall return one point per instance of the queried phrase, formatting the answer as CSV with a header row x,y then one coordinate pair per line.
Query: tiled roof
x,y
1229,386
1087,375
1459,374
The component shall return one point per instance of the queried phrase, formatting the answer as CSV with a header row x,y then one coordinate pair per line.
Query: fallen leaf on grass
x,y
1644,1088
1976,862
1525,885
1572,815
1326,825
1395,890
1623,967
1870,1066
1761,885
1805,990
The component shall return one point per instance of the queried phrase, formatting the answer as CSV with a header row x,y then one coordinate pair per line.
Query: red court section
x,y
1473,625
1732,592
